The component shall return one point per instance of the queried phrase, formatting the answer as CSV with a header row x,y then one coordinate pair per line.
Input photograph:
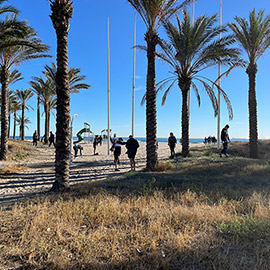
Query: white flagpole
x,y
108,81
133,81
193,14
218,116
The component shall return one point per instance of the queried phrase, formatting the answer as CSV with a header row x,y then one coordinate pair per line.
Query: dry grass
x,y
207,213
11,169
20,150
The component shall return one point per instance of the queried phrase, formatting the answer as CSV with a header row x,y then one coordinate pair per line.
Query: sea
x,y
143,139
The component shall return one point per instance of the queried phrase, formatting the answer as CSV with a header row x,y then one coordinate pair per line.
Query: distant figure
x,y
117,152
43,138
225,139
35,138
132,145
209,139
171,143
205,140
100,140
214,140
113,141
95,143
51,139
77,147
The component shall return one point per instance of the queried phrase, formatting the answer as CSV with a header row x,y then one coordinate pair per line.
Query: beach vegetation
x,y
61,14
153,13
19,44
253,35
190,50
23,96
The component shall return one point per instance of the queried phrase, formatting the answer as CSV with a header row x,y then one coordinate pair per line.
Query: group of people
x,y
131,145
43,139
210,139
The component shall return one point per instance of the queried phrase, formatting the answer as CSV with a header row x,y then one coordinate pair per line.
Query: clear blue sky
x,y
87,50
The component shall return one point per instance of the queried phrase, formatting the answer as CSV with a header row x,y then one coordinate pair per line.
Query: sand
x,y
40,173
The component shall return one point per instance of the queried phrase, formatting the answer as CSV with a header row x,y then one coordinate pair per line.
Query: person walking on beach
x,y
51,139
35,138
171,143
132,145
117,152
225,140
95,143
113,141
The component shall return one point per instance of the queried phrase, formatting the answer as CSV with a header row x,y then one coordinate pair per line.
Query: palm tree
x,y
15,76
40,87
22,121
23,45
47,98
23,96
75,79
254,37
62,11
153,12
14,107
192,49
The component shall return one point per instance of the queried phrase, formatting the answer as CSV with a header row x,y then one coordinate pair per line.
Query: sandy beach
x,y
39,175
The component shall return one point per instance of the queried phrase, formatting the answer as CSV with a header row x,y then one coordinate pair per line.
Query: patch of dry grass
x,y
11,169
206,213
20,150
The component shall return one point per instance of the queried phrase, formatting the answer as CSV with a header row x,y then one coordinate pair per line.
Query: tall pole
x,y
133,80
218,116
193,14
108,81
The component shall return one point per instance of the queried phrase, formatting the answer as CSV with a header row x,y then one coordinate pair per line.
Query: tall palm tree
x,y
22,121
254,37
40,87
48,96
75,79
62,11
190,50
14,107
15,76
23,96
23,45
153,12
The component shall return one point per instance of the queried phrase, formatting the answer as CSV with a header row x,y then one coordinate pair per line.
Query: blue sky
x,y
87,50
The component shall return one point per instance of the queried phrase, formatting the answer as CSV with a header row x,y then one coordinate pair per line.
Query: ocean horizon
x,y
143,139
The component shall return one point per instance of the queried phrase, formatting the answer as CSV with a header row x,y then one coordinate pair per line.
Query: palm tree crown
x,y
254,37
190,50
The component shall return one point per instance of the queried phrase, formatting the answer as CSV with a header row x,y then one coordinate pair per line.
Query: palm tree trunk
x,y
14,127
48,120
151,111
46,123
185,120
38,117
61,13
9,119
252,106
22,124
4,76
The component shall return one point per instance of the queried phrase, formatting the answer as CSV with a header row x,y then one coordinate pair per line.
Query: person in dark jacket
x,y
172,143
132,145
35,138
117,152
95,143
225,139
51,139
